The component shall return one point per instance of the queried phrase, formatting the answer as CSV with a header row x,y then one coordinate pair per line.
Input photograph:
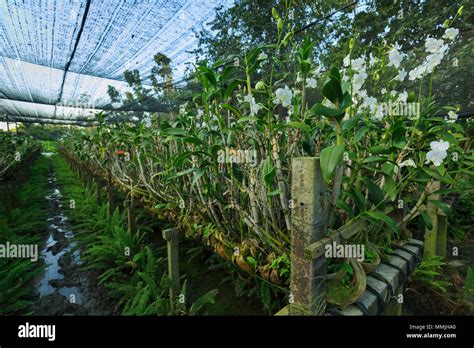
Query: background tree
x,y
371,22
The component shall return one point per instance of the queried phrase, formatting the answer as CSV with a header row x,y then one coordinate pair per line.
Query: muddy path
x,y
63,288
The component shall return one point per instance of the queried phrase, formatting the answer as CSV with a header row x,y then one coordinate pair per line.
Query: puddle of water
x,y
68,291
59,231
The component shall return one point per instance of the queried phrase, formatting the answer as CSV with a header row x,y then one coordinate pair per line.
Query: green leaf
x,y
378,215
319,109
297,124
334,73
375,193
361,133
350,124
374,159
344,206
427,220
274,193
469,284
379,149
332,90
268,171
437,176
330,157
184,172
194,140
251,261
247,119
346,101
388,168
197,175
176,131
347,267
389,187
232,109
441,205
359,200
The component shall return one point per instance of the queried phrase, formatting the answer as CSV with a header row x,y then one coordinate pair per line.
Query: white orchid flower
x,y
380,113
433,60
437,153
358,64
299,78
452,117
417,73
372,60
402,97
362,93
370,102
283,96
395,56
147,122
311,83
254,106
401,75
407,163
346,61
262,56
433,45
450,33
358,80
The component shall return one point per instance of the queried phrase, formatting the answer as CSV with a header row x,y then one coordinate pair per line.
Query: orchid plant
x,y
379,147
13,149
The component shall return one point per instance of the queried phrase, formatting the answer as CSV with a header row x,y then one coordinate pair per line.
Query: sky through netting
x,y
55,54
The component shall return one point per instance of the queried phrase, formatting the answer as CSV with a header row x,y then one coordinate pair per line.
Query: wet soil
x,y
63,288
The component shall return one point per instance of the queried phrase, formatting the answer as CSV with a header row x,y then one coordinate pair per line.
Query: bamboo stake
x,y
172,244
430,246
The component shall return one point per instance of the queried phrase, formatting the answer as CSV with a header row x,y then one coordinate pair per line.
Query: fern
x,y
428,272
207,298
26,225
469,285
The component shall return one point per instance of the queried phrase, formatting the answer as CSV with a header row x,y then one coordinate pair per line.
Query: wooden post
x,y
97,190
441,240
308,224
90,181
172,243
110,194
132,224
110,199
430,245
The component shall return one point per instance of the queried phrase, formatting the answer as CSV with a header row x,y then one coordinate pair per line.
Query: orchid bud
x,y
275,13
260,85
351,43
287,38
460,10
280,24
446,23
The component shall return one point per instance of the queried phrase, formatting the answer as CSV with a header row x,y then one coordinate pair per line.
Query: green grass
x,y
49,146
128,266
26,225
